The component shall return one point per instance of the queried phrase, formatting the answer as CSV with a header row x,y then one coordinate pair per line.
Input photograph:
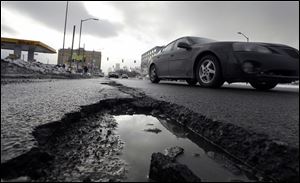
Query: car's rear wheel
x,y
191,82
261,85
209,73
153,74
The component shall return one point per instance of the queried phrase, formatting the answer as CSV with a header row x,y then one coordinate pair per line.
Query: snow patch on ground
x,y
38,66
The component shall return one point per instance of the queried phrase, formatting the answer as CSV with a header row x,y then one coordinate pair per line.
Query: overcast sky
x,y
128,29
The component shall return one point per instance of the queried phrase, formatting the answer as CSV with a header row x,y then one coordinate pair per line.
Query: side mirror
x,y
184,45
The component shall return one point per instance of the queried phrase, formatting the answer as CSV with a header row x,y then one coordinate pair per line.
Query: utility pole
x,y
93,60
82,61
66,18
74,27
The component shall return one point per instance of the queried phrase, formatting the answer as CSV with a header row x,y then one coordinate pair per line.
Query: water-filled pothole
x,y
145,134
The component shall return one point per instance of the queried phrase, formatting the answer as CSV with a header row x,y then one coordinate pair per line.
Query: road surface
x,y
24,106
39,107
274,112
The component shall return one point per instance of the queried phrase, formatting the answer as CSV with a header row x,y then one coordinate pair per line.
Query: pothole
x,y
203,159
110,143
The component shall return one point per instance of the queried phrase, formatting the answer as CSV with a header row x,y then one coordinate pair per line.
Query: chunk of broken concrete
x,y
173,152
165,169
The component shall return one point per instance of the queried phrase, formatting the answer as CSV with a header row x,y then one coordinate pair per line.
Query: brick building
x,y
91,59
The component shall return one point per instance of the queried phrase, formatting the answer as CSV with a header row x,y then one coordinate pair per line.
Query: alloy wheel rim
x,y
207,71
152,73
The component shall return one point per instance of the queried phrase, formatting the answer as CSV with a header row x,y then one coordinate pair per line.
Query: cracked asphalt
x,y
275,112
25,106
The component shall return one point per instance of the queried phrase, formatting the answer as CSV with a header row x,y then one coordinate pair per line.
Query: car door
x,y
180,60
162,59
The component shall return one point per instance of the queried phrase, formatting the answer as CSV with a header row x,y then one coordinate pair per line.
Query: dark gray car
x,y
211,63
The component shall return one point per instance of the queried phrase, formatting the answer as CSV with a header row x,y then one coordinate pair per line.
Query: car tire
x,y
153,74
209,72
263,85
191,82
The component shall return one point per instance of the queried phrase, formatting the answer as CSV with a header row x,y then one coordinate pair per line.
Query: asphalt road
x,y
274,112
25,106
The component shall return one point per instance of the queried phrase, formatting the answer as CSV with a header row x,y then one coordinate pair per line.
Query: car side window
x,y
181,40
168,48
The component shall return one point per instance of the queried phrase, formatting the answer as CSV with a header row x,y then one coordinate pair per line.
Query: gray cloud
x,y
7,30
165,21
262,21
52,14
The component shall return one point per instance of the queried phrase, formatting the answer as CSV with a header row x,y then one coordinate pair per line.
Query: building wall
x,y
92,59
117,67
146,58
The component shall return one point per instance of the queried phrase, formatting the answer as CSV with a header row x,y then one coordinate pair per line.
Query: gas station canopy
x,y
11,43
31,46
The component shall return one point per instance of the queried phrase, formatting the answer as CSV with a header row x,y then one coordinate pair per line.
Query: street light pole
x,y
80,32
74,27
244,36
81,28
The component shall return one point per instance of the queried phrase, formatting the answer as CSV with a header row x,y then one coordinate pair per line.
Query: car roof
x,y
189,37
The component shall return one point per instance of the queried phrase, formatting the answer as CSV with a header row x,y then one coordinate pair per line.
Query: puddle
x,y
202,158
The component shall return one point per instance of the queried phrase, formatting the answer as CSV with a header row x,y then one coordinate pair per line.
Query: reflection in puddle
x,y
202,158
153,130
